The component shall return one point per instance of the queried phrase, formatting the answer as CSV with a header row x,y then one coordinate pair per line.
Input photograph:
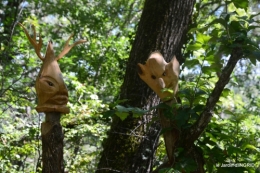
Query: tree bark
x,y
52,143
131,144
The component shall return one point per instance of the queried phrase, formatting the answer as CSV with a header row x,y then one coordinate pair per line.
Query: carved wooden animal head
x,y
158,74
50,87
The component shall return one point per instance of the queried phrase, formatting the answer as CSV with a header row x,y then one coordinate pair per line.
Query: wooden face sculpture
x,y
158,75
50,87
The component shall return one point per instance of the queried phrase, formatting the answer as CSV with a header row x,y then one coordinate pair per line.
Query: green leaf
x,y
182,117
252,59
122,115
253,56
195,46
249,146
203,39
209,166
254,15
200,92
216,66
198,108
235,27
192,30
207,70
167,90
232,149
137,111
122,112
228,112
191,63
221,21
212,138
252,27
225,92
241,4
109,113
120,108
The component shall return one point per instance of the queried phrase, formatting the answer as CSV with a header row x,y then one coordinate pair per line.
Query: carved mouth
x,y
59,100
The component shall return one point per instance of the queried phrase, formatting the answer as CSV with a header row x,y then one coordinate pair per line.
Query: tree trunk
x,y
131,144
52,143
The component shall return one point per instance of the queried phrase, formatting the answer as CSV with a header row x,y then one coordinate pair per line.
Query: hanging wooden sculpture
x,y
52,96
159,75
50,88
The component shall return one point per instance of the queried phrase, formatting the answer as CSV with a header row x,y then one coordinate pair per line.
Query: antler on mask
x,y
50,87
158,74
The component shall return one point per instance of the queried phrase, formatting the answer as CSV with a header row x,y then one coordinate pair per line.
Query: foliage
x,y
233,134
213,40
94,72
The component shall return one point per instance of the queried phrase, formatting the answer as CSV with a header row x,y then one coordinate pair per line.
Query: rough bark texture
x,y
52,144
131,144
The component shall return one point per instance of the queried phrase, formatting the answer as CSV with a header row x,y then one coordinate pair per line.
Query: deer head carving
x,y
158,74
50,87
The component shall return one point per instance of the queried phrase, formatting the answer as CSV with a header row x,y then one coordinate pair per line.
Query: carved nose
x,y
63,91
161,82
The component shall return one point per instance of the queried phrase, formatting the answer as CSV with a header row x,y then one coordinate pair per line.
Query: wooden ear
x,y
140,69
174,64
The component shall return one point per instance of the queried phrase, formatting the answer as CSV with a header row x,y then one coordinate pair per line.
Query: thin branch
x,y
195,131
16,80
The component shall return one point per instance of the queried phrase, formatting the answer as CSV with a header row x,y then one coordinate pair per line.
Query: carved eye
x,y
50,83
164,74
153,77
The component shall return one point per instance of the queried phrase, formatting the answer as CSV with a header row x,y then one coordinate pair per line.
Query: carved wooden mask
x,y
158,74
50,87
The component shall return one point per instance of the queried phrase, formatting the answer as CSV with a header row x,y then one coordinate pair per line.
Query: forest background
x,y
94,73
